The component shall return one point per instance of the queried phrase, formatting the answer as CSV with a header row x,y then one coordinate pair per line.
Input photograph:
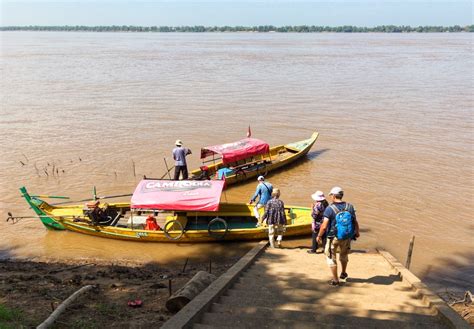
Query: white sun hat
x,y
179,142
260,178
318,196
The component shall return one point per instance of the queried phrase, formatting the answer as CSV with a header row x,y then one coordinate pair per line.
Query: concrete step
x,y
320,291
334,296
340,321
290,254
355,251
320,257
320,262
317,269
390,283
330,311
319,305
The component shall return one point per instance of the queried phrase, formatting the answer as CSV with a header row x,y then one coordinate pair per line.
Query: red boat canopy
x,y
193,195
237,150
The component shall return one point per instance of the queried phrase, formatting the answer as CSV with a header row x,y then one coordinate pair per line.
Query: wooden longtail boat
x,y
185,211
249,158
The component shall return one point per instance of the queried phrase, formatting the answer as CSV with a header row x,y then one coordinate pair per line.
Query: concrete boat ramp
x,y
288,288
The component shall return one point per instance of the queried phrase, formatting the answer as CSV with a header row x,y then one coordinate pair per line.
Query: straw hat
x,y
179,142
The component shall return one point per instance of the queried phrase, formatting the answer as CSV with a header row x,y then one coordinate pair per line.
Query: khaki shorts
x,y
256,210
334,246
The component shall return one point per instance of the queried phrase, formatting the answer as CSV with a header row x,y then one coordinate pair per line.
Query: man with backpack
x,y
341,225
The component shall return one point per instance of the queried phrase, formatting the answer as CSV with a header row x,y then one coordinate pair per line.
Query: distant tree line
x,y
261,28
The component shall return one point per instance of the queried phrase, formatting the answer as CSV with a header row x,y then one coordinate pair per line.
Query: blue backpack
x,y
344,223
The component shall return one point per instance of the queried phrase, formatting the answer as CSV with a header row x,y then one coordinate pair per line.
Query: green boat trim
x,y
36,204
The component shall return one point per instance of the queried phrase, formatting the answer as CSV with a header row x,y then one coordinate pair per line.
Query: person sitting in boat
x,y
151,224
275,217
264,194
204,175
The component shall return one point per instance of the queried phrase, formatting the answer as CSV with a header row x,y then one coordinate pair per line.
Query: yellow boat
x,y
207,220
247,158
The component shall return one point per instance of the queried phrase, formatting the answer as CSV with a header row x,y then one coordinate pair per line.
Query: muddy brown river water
x,y
394,112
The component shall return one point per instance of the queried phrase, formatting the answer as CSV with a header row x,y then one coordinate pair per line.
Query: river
x,y
394,113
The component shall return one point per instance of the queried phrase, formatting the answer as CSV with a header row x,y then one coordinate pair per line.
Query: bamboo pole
x,y
166,173
167,169
62,307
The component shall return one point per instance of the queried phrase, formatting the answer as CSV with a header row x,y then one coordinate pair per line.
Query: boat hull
x,y
193,226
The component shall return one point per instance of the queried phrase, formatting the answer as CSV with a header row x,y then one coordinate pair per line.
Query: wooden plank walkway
x,y
288,288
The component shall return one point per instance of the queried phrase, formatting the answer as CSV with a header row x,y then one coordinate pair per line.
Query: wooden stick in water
x,y
410,251
185,263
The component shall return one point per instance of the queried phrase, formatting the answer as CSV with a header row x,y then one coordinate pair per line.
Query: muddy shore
x,y
30,290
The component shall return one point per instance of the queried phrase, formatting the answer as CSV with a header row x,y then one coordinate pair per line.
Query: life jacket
x,y
151,224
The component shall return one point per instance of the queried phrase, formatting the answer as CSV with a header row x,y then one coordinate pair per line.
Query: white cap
x,y
318,196
178,142
336,190
260,178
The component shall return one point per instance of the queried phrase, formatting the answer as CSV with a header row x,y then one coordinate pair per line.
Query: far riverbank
x,y
260,29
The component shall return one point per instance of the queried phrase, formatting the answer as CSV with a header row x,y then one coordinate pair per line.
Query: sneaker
x,y
333,283
343,275
310,251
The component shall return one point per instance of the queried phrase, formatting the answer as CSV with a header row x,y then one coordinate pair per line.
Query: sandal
x,y
343,275
333,283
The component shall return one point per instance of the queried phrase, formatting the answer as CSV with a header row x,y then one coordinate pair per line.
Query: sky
x,y
227,12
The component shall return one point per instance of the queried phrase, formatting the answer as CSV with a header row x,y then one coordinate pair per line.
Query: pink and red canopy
x,y
236,151
186,195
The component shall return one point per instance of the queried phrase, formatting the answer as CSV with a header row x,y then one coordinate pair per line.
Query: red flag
x,y
249,133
